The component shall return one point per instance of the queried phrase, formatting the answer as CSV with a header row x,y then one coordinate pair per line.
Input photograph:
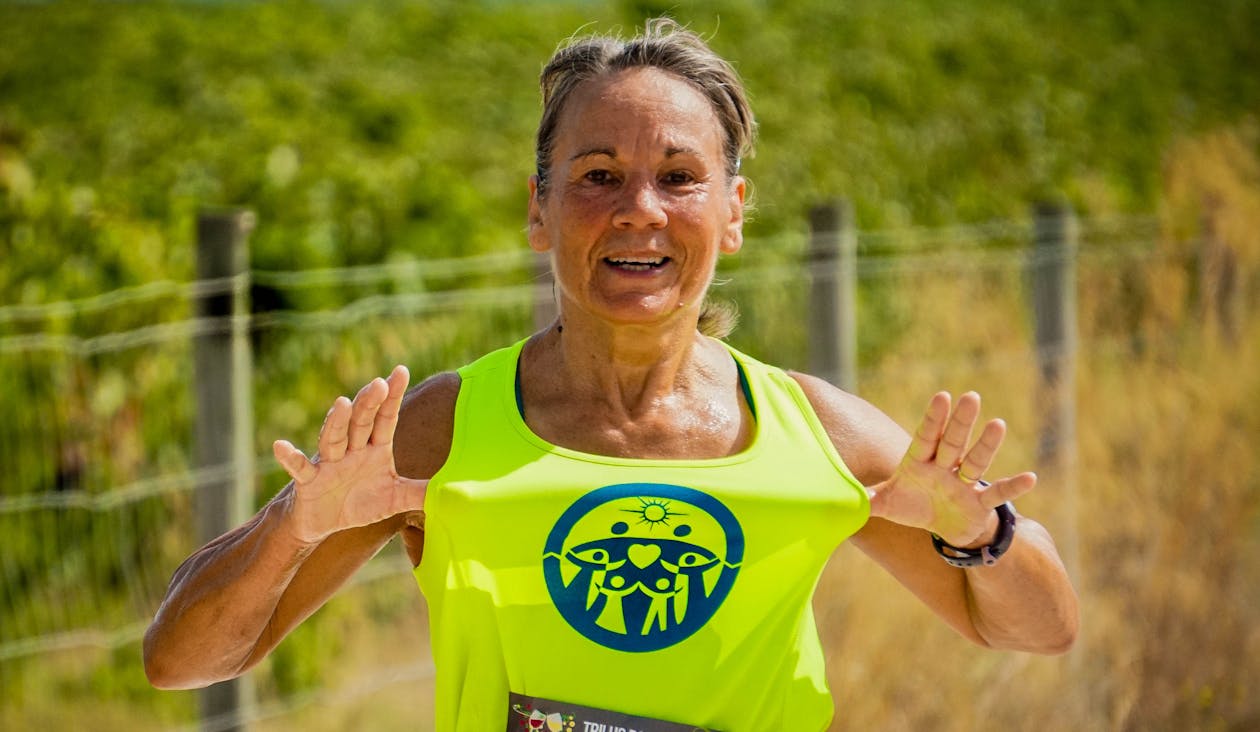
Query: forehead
x,y
627,109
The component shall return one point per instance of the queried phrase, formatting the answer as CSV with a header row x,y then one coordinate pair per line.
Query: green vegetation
x,y
396,132
361,131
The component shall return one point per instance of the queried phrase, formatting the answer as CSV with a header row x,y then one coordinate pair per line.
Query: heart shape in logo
x,y
643,555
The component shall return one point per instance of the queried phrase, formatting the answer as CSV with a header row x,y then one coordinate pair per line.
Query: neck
x,y
628,368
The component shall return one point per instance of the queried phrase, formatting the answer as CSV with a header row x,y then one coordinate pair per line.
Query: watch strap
x,y
986,555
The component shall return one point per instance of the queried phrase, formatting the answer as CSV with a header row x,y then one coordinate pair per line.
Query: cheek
x,y
582,214
703,227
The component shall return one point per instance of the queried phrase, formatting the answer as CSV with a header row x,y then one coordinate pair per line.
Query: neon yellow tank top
x,y
672,589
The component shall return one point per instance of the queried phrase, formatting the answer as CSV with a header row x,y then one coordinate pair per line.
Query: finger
x,y
958,431
981,455
926,438
1007,489
332,435
294,462
387,416
366,403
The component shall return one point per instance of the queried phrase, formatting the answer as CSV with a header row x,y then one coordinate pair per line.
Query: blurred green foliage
x,y
360,131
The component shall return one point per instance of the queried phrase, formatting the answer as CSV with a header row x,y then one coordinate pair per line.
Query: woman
x,y
622,519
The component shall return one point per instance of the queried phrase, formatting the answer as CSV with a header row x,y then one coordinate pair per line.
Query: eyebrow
x,y
610,152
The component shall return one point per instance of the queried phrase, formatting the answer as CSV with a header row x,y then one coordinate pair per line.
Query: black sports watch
x,y
986,555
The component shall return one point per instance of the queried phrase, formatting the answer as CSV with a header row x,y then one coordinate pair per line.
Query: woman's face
x,y
638,204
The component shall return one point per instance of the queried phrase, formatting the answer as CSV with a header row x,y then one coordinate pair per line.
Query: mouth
x,y
637,264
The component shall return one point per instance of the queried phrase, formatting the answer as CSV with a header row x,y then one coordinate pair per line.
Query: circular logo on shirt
x,y
642,566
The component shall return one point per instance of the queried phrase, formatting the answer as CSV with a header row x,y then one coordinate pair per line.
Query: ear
x,y
733,238
537,235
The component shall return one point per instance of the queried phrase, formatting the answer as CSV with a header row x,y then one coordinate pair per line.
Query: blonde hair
x,y
718,317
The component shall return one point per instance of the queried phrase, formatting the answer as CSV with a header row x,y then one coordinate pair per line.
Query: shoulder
x,y
425,424
868,440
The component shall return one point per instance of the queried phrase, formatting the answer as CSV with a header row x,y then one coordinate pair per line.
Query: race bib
x,y
535,714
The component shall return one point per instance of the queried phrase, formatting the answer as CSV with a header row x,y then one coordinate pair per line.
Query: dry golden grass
x,y
1159,518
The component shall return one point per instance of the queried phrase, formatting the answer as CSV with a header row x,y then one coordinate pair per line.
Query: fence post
x,y
833,293
1052,281
545,309
224,425
1218,291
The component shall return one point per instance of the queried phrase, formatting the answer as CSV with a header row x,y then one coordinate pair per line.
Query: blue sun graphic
x,y
653,511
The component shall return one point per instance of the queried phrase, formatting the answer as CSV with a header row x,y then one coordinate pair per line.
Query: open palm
x,y
353,481
937,485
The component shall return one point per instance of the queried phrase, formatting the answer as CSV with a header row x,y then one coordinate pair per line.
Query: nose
x,y
639,205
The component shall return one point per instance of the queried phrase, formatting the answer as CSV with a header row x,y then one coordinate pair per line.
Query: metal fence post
x,y
1052,286
833,293
222,365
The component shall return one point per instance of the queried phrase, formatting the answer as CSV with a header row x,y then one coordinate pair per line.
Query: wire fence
x,y
96,501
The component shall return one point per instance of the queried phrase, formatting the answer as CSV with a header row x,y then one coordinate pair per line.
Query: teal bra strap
x,y
743,386
520,400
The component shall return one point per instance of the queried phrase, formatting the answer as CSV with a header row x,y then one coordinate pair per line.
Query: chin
x,y
641,316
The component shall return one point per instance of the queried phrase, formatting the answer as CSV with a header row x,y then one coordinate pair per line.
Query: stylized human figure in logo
x,y
641,566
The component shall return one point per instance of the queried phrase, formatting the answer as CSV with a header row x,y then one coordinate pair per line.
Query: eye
x,y
599,177
678,178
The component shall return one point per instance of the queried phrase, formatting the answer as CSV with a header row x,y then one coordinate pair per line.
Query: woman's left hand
x,y
937,484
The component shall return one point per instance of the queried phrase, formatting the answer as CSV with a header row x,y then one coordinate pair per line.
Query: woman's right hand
x,y
352,482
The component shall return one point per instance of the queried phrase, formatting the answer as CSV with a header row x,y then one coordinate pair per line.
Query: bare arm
x,y
232,601
1024,602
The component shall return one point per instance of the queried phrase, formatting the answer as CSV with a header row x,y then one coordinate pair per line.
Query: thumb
x,y
294,462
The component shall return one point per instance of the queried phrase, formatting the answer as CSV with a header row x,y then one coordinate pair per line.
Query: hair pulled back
x,y
664,45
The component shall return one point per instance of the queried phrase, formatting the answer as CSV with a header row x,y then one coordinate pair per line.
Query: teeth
x,y
637,263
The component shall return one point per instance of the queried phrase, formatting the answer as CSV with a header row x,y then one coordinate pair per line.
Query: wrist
x,y
988,535
988,555
291,525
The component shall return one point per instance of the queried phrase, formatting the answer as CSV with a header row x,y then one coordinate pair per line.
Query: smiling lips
x,y
637,264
